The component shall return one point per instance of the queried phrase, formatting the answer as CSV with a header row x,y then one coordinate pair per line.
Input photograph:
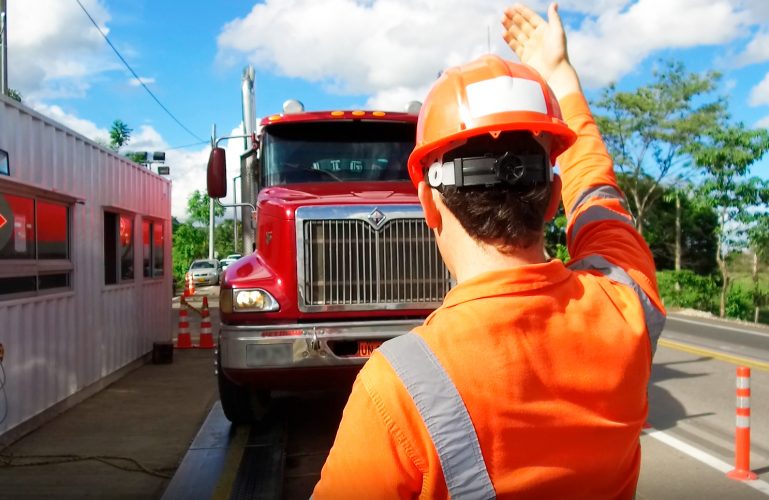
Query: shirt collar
x,y
508,281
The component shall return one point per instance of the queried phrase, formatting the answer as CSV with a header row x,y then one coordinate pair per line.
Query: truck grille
x,y
350,264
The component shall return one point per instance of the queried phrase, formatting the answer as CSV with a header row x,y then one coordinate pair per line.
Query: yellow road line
x,y
701,351
237,446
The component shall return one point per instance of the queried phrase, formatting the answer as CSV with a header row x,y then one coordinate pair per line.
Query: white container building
x,y
85,266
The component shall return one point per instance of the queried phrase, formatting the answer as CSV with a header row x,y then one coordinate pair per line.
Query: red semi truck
x,y
343,259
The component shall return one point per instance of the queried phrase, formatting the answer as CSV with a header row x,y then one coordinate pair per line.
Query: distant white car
x,y
205,271
228,260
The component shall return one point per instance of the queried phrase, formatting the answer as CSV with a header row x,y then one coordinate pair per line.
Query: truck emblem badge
x,y
376,217
3,220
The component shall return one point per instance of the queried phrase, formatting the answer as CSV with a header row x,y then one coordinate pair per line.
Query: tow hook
x,y
315,344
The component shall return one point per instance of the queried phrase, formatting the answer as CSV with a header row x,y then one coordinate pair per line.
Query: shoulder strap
x,y
444,414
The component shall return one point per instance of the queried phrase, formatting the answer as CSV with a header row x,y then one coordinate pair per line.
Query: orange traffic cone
x,y
206,337
183,339
189,288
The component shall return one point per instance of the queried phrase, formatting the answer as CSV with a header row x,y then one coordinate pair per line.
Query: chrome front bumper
x,y
246,347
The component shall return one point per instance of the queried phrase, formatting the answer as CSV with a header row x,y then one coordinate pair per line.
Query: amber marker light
x,y
282,333
275,117
337,113
378,113
358,113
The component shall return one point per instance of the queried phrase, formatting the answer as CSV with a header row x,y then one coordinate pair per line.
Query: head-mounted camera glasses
x,y
508,168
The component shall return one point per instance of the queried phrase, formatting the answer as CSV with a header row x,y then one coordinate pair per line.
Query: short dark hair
x,y
504,216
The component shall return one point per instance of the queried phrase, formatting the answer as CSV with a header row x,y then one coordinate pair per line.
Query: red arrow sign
x,y
3,220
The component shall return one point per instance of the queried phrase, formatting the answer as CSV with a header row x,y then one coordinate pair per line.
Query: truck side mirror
x,y
217,174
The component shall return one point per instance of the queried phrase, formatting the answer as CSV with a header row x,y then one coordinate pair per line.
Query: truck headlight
x,y
256,300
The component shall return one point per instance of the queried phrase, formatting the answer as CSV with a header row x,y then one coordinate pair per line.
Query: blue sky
x,y
340,54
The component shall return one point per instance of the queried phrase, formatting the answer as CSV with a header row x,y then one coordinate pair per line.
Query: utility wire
x,y
128,66
187,145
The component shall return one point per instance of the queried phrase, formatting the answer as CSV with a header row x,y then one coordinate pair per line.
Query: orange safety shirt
x,y
550,361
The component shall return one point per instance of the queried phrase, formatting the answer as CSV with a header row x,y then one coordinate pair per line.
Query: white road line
x,y
715,325
704,457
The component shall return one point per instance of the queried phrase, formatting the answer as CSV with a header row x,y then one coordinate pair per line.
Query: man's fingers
x,y
518,33
514,16
517,46
553,17
528,15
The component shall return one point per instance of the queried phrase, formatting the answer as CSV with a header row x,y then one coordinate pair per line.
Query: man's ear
x,y
555,199
432,215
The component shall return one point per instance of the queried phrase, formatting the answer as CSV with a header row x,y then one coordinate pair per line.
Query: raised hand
x,y
542,45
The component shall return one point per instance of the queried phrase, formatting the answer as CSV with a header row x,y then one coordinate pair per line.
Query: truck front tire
x,y
241,405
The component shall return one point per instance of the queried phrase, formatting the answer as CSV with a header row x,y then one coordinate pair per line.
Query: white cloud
x,y
760,93
188,167
79,125
756,51
370,48
397,98
146,80
763,122
392,50
53,49
188,172
759,10
606,48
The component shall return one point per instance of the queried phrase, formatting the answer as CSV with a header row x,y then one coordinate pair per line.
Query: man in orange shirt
x,y
530,380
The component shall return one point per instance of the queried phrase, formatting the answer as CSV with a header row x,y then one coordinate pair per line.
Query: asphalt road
x,y
692,389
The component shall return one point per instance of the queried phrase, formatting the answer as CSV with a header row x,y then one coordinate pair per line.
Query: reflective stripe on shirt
x,y
655,320
444,414
602,191
598,213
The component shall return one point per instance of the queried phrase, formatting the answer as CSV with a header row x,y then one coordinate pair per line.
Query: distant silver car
x,y
205,271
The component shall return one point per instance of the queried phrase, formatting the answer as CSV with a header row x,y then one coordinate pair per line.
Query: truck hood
x,y
282,201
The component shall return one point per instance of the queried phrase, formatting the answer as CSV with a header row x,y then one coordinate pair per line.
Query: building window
x,y
5,167
118,248
34,245
152,247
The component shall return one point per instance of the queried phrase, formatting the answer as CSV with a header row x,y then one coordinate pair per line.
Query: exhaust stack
x,y
249,104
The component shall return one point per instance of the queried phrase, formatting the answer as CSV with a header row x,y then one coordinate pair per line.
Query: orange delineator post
x,y
183,338
742,470
206,337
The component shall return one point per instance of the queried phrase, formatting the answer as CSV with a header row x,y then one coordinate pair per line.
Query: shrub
x,y
692,291
739,303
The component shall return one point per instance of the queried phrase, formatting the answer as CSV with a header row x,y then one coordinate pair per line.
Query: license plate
x,y
201,280
366,347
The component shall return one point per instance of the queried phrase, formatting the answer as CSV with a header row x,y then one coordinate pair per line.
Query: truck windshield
x,y
338,151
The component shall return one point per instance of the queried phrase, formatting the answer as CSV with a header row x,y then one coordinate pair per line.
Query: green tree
x,y
692,243
697,243
189,243
136,157
197,208
224,238
726,154
758,238
647,130
119,134
555,237
14,94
